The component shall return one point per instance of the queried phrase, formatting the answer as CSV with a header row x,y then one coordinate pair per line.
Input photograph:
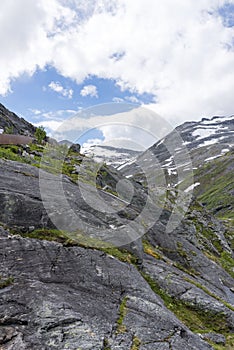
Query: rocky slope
x,y
17,125
74,289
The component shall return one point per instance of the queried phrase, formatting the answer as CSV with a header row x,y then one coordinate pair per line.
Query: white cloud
x,y
52,125
57,87
89,90
132,99
35,111
27,32
179,51
139,126
117,99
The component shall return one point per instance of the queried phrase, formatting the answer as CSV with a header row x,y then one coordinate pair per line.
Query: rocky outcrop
x,y
17,125
75,298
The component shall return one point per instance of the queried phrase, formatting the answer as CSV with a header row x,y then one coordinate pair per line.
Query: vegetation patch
x,y
229,343
136,342
78,238
5,282
227,262
150,250
196,319
197,284
121,328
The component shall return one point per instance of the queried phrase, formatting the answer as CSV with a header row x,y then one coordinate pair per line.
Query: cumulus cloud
x,y
117,99
57,87
89,90
181,52
139,127
133,99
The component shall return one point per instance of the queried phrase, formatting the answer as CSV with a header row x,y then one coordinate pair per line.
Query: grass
x,y
229,343
11,153
78,238
196,319
136,342
209,293
227,262
206,237
121,328
51,235
150,250
6,282
217,184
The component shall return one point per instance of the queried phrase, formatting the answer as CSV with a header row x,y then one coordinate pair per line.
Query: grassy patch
x,y
78,238
150,250
195,319
227,262
51,235
121,328
136,342
229,343
5,282
197,284
217,184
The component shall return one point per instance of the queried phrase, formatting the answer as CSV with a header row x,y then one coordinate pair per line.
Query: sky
x,y
174,58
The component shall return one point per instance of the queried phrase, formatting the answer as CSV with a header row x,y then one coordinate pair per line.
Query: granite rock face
x,y
70,298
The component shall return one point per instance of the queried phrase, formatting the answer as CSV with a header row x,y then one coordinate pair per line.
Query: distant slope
x,y
216,189
205,140
111,155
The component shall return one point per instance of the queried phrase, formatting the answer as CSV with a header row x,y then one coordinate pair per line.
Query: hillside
x,y
17,125
88,261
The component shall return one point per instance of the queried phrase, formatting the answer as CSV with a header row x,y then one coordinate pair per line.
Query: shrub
x,y
40,134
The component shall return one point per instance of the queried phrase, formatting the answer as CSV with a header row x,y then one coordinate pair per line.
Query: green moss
x,y
77,238
227,262
229,343
196,319
5,282
121,328
197,284
189,270
51,235
181,251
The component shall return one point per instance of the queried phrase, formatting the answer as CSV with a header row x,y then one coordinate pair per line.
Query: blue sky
x,y
32,94
175,58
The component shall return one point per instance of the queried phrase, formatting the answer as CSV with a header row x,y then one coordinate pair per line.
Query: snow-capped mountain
x,y
203,141
110,155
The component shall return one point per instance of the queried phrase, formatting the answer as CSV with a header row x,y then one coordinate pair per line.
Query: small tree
x,y
40,134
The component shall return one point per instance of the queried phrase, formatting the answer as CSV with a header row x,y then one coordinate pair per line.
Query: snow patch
x,y
211,158
190,188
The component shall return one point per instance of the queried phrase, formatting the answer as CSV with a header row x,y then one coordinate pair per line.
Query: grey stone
x,y
59,300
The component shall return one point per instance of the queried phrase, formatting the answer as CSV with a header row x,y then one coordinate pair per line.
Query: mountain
x,y
205,140
195,152
99,258
113,156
